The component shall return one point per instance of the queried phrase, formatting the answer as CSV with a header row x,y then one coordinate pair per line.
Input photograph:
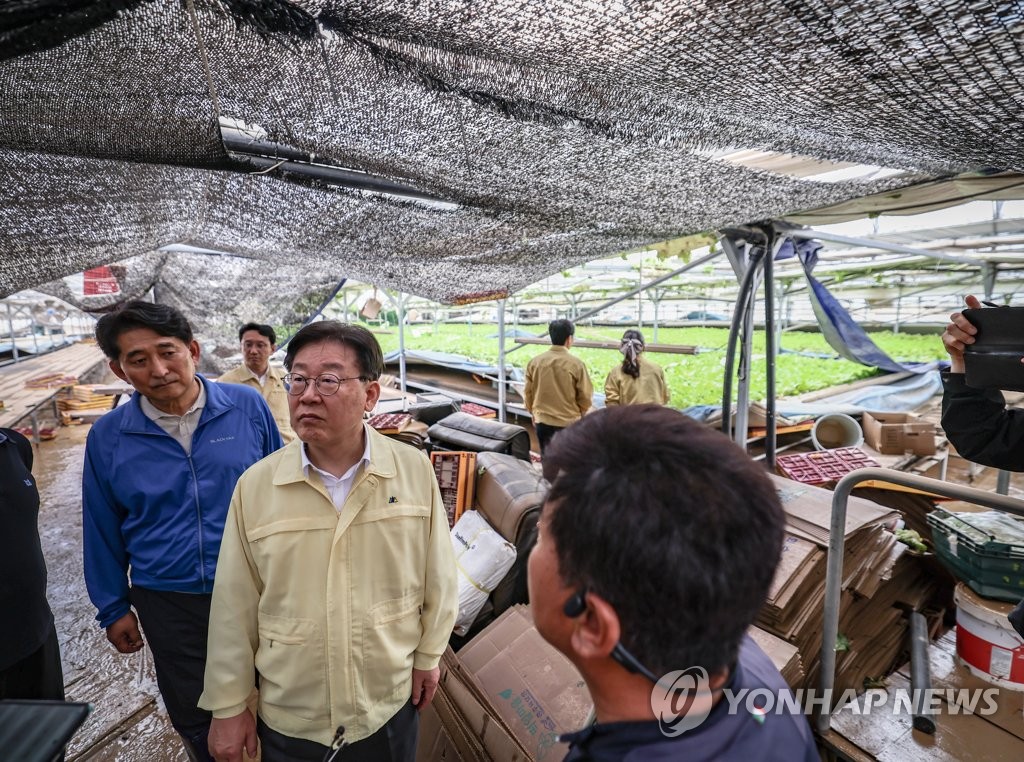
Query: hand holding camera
x,y
987,345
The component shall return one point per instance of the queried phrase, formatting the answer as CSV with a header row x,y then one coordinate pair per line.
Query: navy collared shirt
x,y
740,736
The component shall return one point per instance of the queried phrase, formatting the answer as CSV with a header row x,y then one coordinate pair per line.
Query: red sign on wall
x,y
100,280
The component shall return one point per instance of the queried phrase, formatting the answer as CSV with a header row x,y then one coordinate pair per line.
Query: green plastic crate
x,y
985,550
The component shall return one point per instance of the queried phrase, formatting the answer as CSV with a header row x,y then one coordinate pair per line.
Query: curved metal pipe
x,y
769,344
837,544
738,317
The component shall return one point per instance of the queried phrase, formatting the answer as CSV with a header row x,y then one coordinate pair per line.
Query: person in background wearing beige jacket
x,y
258,343
336,582
558,391
636,381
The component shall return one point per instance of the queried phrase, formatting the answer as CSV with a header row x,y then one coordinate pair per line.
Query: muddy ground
x,y
128,722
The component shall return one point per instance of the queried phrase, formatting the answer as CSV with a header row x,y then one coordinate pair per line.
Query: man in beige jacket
x,y
558,391
336,581
258,343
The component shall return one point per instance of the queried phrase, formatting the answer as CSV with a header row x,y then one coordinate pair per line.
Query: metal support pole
x,y
14,339
837,543
820,235
502,380
988,279
35,340
744,294
899,303
772,245
400,307
746,355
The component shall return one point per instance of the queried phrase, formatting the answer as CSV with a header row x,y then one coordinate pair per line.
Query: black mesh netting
x,y
559,132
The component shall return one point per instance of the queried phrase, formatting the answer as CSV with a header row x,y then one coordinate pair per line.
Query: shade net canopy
x,y
460,150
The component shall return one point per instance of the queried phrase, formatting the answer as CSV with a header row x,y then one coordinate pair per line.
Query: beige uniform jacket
x,y
334,610
273,392
558,389
622,389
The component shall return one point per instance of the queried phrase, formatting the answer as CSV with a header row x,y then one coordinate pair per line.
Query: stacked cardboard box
x,y
508,695
880,580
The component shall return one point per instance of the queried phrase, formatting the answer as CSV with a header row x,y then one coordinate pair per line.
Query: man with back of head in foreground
x,y
155,490
336,582
656,547
258,343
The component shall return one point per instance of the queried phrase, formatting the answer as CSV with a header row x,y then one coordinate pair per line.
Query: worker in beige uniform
x,y
558,391
636,381
336,582
258,343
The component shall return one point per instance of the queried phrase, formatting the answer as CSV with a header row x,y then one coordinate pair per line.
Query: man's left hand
x,y
424,686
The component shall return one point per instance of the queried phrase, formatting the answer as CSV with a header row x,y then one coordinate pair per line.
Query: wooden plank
x,y
149,738
665,349
889,736
19,402
947,672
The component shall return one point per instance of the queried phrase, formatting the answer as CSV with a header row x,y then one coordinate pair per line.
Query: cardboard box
x,y
897,433
472,730
535,691
435,742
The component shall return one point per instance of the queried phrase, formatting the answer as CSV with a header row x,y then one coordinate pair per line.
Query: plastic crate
x,y
824,466
979,549
389,423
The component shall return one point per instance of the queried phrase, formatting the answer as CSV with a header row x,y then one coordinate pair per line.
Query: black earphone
x,y
576,605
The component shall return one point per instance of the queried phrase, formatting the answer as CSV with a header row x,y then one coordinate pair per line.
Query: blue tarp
x,y
840,330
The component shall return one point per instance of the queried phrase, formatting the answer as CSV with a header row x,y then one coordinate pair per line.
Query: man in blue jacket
x,y
159,472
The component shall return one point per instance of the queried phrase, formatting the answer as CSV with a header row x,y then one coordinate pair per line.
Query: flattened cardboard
x,y
534,689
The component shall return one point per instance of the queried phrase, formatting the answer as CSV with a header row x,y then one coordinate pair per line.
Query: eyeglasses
x,y
326,383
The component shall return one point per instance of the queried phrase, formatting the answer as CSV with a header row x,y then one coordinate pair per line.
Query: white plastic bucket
x,y
836,430
986,642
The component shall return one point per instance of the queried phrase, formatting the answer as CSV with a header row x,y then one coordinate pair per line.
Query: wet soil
x,y
128,722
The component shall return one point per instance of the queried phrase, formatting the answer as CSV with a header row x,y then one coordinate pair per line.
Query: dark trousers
x,y
395,742
37,677
544,434
175,626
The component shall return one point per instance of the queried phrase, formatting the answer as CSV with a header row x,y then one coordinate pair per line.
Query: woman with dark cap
x,y
636,381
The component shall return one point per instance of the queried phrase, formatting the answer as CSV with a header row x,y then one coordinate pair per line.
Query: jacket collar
x,y
217,402
382,459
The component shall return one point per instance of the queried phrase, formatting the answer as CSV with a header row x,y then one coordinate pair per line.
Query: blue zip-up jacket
x,y
149,506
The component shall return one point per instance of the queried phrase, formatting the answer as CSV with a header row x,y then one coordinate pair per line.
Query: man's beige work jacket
x,y
273,392
332,609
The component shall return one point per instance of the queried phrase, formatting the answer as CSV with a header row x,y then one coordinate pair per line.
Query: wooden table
x,y
21,402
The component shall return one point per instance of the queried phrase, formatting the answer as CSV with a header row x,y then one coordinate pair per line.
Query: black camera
x,y
993,361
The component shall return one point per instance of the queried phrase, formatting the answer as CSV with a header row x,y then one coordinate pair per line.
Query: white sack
x,y
483,558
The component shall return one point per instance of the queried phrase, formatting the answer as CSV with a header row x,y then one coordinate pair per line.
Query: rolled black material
x,y
920,674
